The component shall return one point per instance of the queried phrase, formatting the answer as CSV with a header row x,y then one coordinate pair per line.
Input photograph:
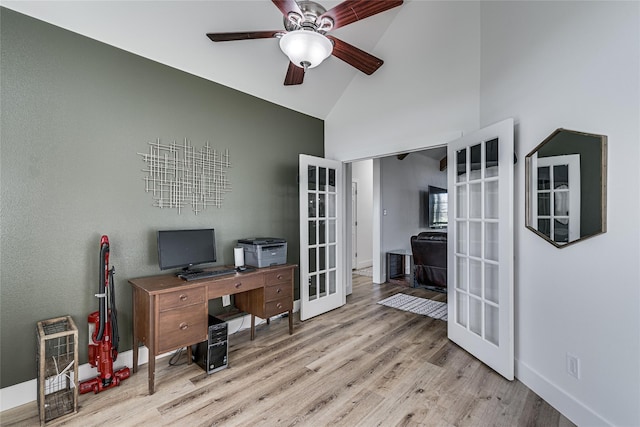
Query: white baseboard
x,y
27,392
364,264
567,405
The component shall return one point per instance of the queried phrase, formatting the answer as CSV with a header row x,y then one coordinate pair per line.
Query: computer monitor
x,y
186,248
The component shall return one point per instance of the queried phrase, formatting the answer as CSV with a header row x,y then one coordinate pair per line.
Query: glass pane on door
x,y
312,232
461,312
322,174
312,205
491,279
461,273
332,256
491,158
322,285
475,277
313,290
491,200
461,202
312,260
475,316
475,200
312,177
461,165
332,230
332,282
476,163
322,232
475,239
492,327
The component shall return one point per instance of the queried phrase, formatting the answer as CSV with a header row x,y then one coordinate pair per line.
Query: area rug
x,y
426,307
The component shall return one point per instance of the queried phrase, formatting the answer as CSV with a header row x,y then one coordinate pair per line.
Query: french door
x,y
321,235
480,248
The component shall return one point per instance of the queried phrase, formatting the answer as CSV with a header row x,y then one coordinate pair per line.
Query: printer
x,y
264,251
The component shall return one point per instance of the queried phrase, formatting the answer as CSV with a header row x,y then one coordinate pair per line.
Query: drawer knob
x,y
279,276
279,305
278,290
183,326
238,285
183,297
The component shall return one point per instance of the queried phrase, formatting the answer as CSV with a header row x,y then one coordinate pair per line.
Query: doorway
x,y
389,211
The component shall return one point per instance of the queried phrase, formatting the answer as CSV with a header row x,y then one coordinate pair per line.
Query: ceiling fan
x,y
305,41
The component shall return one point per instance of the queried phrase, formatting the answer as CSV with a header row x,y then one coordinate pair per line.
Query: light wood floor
x,y
360,365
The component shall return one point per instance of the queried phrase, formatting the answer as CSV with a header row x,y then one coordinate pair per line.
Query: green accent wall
x,y
74,114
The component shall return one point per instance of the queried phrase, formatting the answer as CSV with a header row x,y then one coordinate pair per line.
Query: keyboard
x,y
206,274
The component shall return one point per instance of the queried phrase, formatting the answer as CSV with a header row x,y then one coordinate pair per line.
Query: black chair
x,y
430,260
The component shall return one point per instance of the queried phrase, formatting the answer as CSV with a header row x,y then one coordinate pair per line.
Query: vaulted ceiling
x,y
174,33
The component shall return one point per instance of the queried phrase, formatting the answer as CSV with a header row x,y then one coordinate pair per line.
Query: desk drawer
x,y
181,298
182,327
285,275
272,308
278,291
234,285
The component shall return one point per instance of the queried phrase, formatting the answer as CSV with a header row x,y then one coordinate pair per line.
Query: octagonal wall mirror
x,y
566,187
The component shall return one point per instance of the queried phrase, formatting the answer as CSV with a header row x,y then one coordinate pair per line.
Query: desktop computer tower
x,y
212,354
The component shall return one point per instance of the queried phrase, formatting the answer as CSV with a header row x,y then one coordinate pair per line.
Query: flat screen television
x,y
186,248
438,212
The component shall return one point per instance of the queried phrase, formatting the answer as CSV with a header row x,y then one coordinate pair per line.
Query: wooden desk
x,y
170,313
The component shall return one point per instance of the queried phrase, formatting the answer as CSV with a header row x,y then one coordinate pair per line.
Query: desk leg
x,y
189,354
135,335
135,355
152,345
253,327
290,322
152,373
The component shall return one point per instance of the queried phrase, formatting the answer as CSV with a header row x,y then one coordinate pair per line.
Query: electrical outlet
x,y
573,365
226,300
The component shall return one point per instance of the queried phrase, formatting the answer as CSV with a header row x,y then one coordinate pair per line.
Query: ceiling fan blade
x,y
351,11
246,35
287,6
355,57
295,75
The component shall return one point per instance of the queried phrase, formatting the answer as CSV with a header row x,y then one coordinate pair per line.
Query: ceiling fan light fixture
x,y
305,48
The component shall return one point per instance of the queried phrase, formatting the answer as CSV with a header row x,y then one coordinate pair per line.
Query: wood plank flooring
x,y
360,365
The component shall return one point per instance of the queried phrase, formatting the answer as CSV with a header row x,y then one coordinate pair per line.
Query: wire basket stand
x,y
57,358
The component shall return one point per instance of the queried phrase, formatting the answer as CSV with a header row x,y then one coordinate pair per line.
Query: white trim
x,y
576,411
27,392
378,262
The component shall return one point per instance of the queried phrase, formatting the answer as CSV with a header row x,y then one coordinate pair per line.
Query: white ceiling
x,y
174,33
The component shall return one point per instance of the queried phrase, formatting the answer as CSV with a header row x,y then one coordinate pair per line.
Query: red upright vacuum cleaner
x,y
103,331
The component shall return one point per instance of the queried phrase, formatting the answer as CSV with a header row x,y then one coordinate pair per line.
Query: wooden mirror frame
x,y
557,137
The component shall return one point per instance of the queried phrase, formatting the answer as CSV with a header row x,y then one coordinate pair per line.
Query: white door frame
x,y
354,225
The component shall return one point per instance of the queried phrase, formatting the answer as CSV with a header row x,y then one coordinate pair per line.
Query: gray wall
x,y
75,113
402,184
